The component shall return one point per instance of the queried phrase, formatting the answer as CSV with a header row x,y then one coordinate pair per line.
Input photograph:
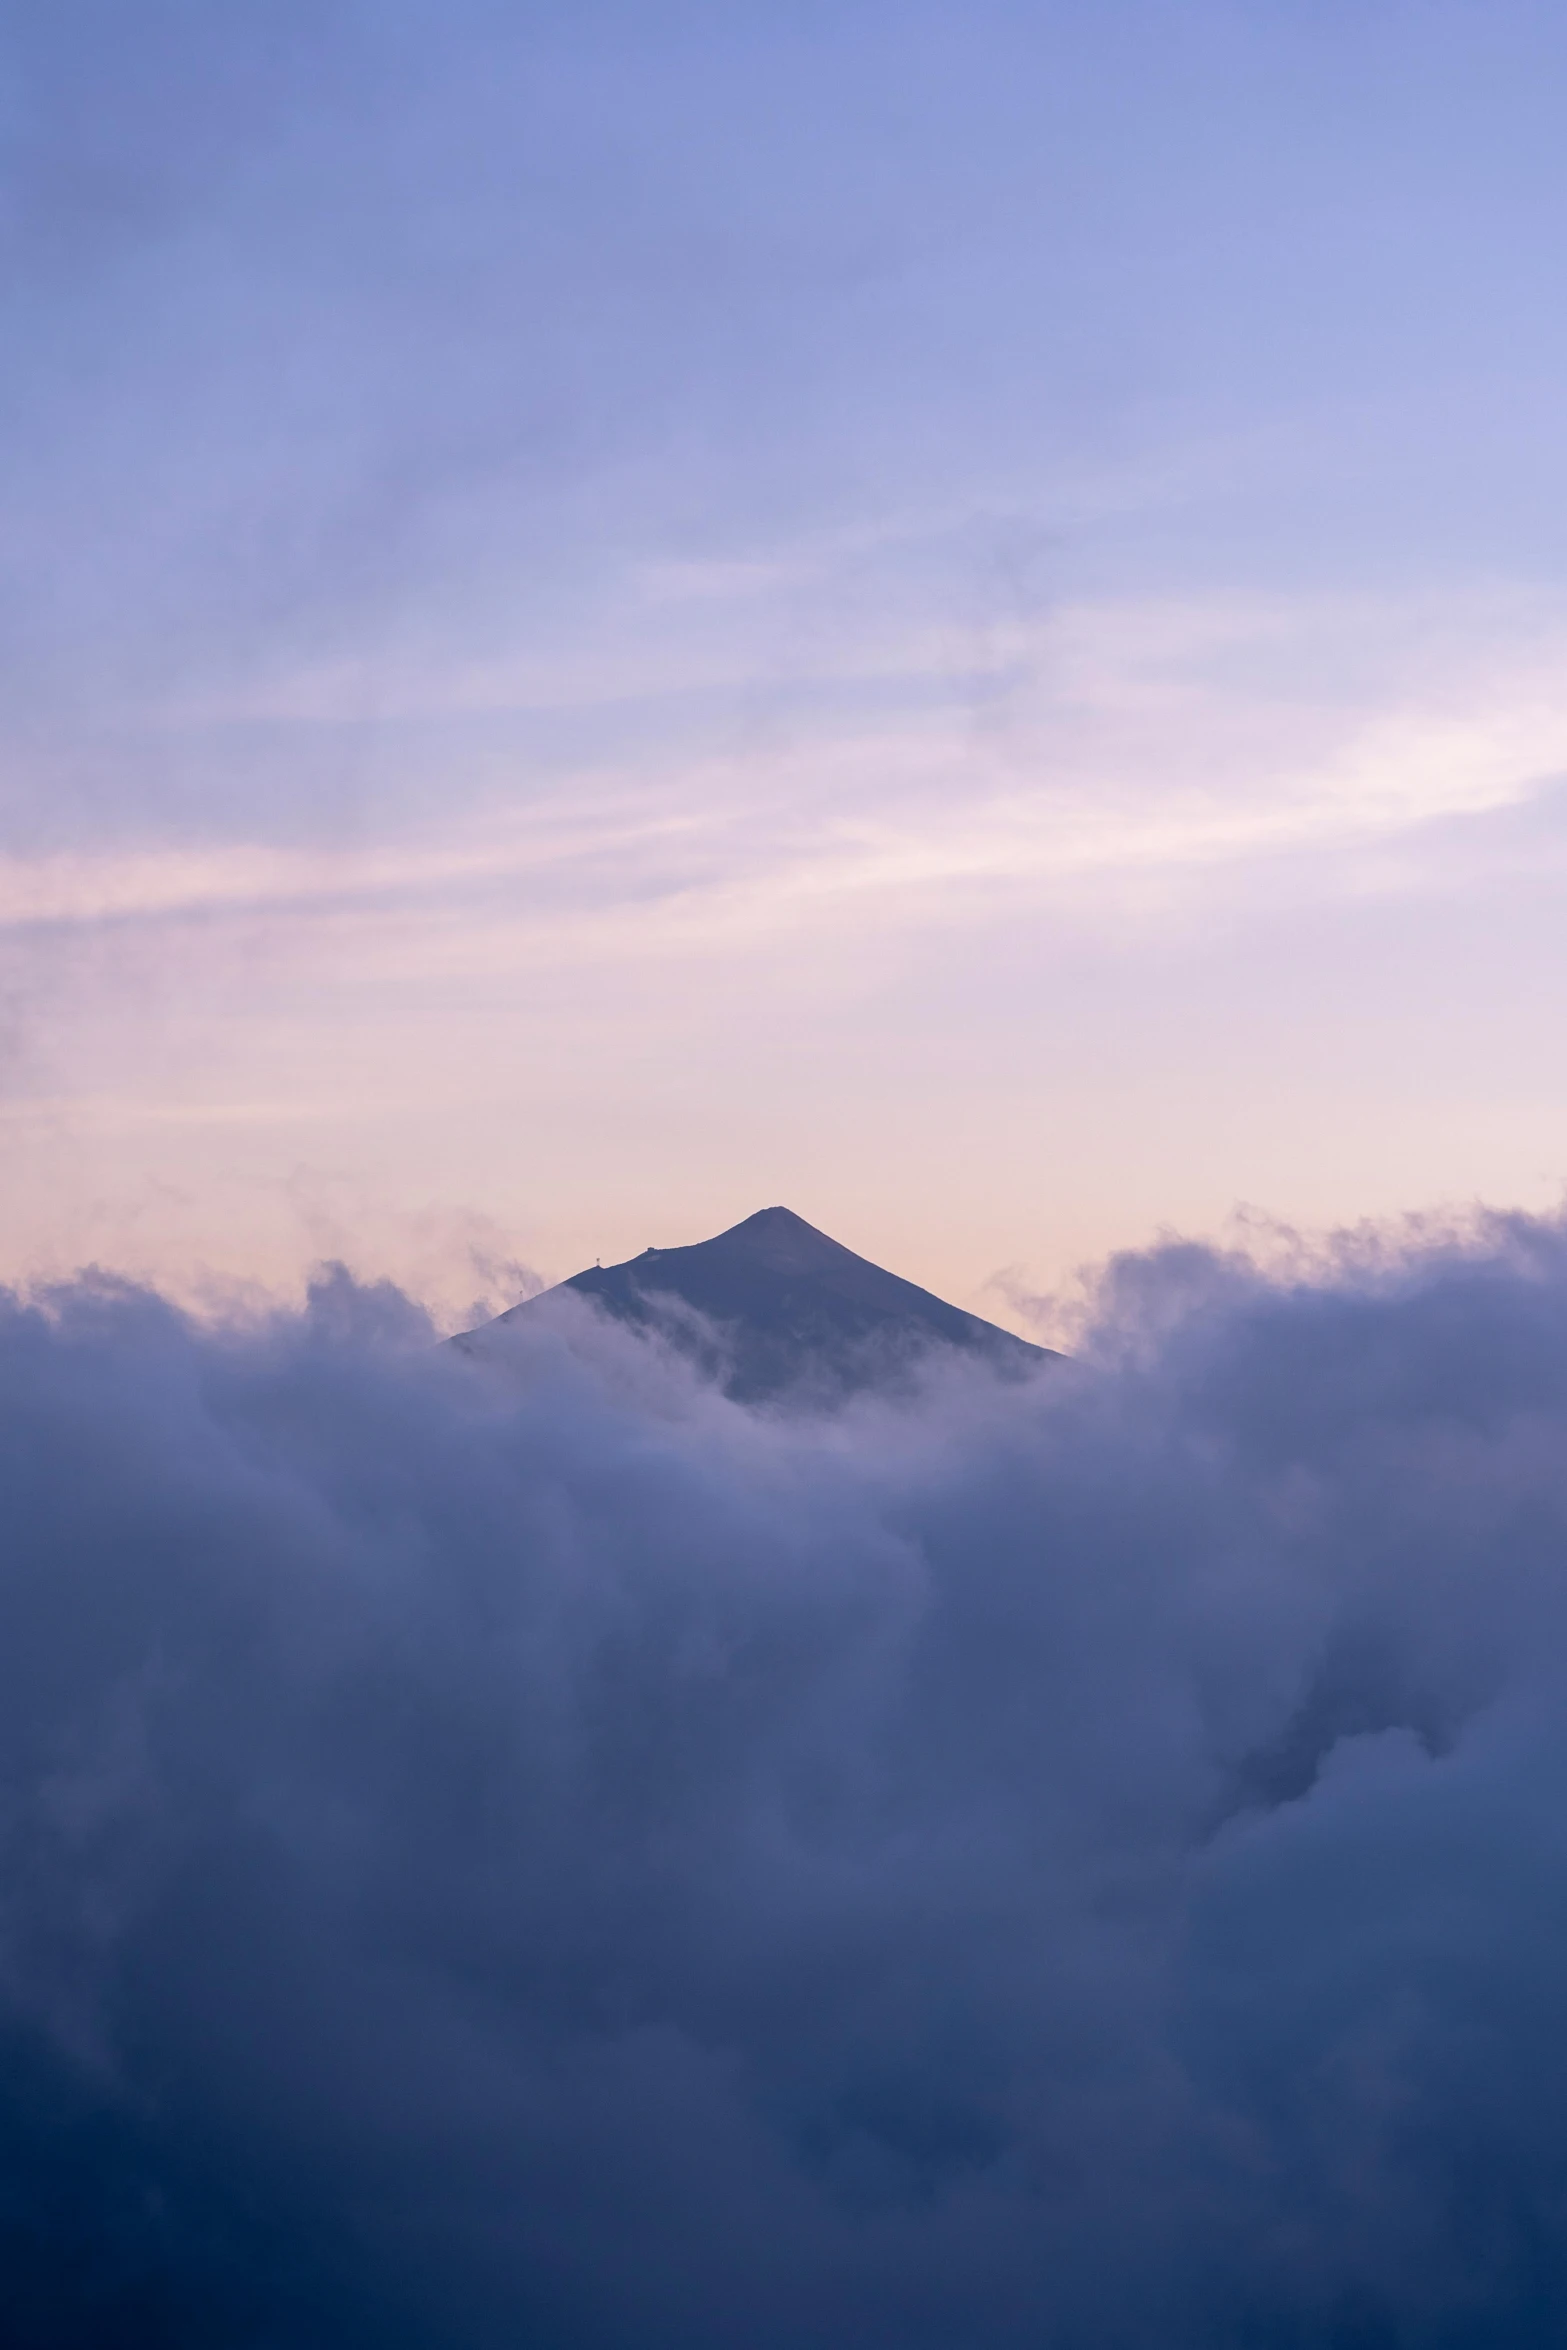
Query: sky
x,y
610,615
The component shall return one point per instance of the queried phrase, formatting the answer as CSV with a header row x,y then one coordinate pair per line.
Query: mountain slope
x,y
773,1306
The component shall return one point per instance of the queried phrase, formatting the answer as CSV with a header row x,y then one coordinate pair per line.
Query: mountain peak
x,y
773,1306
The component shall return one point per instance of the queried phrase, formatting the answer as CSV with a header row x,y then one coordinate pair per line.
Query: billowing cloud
x,y
558,1858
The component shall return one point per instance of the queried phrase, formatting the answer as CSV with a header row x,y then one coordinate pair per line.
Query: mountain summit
x,y
773,1305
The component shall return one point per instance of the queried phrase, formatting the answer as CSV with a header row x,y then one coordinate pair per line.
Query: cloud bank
x,y
562,1859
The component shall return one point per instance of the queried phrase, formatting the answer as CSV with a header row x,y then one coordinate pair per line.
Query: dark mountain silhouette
x,y
773,1306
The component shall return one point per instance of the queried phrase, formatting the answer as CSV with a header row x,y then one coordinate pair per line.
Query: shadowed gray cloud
x,y
565,1858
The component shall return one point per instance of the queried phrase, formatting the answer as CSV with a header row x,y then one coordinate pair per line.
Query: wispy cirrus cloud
x,y
1166,741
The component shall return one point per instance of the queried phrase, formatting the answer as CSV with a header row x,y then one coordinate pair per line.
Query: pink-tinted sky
x,y
956,617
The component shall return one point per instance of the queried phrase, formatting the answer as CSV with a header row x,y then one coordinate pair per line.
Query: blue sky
x,y
952,616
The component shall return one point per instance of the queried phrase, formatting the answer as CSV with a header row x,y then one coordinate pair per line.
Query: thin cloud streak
x,y
902,811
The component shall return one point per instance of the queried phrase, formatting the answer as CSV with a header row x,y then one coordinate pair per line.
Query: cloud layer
x,y
567,1860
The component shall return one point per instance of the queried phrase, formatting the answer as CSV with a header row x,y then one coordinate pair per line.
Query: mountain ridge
x,y
772,1305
